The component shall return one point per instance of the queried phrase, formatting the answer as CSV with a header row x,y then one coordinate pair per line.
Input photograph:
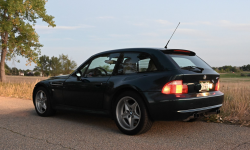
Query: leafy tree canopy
x,y
55,65
18,36
68,65
245,67
43,65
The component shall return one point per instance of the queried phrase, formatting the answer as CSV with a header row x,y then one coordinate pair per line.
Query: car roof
x,y
157,53
148,50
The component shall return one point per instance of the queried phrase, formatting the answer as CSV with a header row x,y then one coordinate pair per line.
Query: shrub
x,y
37,73
242,74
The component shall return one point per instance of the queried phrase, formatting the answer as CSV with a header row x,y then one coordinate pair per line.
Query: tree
x,y
245,67
7,69
14,71
67,65
27,72
37,74
227,69
43,65
18,37
55,66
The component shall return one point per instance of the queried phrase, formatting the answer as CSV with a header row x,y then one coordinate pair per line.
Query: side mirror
x,y
78,75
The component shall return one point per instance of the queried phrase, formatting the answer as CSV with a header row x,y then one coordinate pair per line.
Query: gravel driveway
x,y
21,128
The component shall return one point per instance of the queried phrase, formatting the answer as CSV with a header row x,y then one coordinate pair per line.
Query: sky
x,y
218,31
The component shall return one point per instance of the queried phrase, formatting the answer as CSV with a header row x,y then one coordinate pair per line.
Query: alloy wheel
x,y
41,101
128,113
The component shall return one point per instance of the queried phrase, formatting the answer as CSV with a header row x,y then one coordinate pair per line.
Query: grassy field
x,y
235,75
235,109
19,86
236,106
18,79
234,80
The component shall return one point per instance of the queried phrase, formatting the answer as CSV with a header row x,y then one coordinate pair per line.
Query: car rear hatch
x,y
197,74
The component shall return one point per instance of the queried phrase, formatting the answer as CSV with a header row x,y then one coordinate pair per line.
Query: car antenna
x,y
172,35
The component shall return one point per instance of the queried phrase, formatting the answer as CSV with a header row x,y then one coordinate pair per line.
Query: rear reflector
x,y
217,86
175,87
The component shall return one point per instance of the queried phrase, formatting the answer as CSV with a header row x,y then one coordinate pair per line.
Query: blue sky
x,y
218,31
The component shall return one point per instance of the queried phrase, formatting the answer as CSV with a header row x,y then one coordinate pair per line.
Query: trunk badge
x,y
204,77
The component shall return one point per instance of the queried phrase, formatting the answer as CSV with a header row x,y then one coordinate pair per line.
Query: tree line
x,y
47,66
230,68
245,67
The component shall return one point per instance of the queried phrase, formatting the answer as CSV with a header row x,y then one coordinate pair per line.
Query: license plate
x,y
204,85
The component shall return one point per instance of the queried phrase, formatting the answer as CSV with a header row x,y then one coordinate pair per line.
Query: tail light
x,y
175,87
217,86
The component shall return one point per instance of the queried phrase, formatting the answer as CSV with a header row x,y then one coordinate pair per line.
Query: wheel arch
x,y
38,85
128,88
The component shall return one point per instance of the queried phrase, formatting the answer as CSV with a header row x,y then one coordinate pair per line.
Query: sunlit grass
x,y
236,106
17,89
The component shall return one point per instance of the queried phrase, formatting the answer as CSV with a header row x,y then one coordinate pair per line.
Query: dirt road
x,y
21,128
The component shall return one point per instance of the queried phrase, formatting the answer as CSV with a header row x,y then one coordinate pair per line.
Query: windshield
x,y
187,61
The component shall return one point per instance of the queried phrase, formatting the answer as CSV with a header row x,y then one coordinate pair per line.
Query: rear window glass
x,y
185,61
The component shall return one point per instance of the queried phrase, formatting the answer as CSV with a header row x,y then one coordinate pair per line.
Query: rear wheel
x,y
42,103
131,116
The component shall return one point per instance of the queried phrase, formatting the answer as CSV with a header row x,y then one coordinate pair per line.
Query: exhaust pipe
x,y
195,115
217,111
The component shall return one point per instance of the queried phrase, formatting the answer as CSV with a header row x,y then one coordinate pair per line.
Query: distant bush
x,y
242,74
37,73
248,75
227,69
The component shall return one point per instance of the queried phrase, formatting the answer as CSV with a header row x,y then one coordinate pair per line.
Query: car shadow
x,y
105,123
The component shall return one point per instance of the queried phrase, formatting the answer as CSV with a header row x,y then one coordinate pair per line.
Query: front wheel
x,y
42,103
131,116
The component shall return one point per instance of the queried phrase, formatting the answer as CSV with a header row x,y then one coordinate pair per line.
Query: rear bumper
x,y
180,107
200,109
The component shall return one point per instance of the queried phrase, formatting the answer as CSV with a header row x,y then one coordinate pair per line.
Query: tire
x,y
130,113
42,102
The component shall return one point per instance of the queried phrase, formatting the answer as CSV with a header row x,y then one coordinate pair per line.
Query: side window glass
x,y
136,62
84,68
102,65
146,65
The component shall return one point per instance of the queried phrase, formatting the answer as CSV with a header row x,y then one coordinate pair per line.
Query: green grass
x,y
235,75
235,80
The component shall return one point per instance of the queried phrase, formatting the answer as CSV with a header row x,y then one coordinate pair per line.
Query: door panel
x,y
87,93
